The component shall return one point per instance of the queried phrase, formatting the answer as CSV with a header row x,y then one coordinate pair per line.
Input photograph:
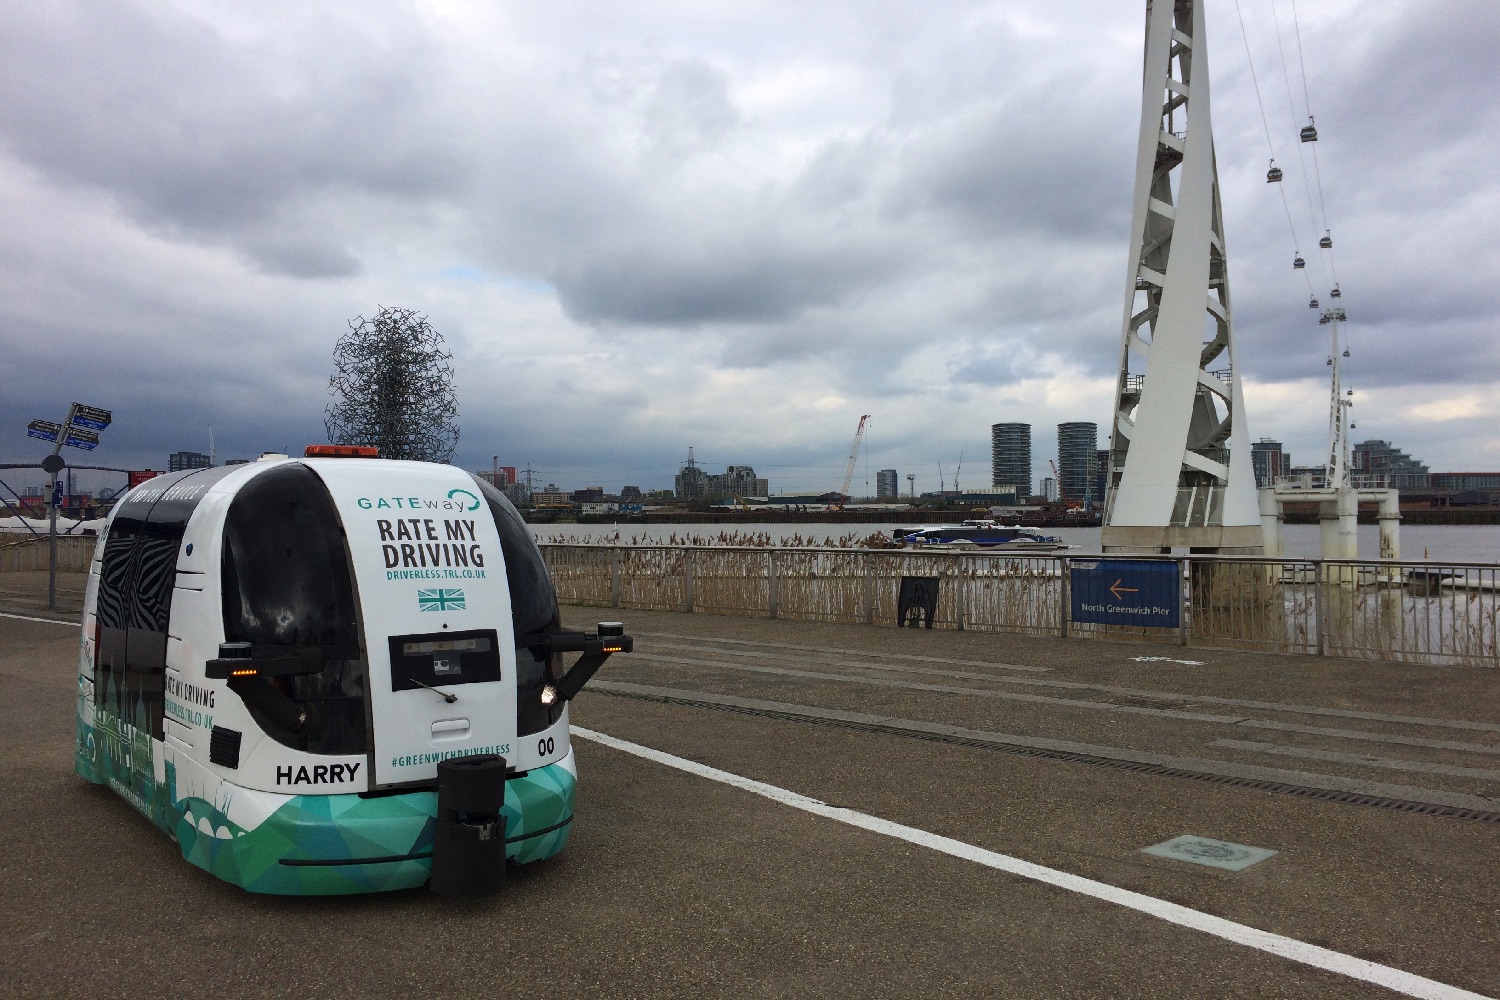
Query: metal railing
x,y
1422,612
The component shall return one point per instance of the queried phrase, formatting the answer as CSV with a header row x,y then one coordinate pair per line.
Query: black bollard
x,y
468,845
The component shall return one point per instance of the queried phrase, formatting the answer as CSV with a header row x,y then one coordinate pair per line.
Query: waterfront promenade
x,y
1377,784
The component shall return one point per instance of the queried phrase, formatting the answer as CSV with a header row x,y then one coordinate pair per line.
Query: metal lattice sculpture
x,y
392,387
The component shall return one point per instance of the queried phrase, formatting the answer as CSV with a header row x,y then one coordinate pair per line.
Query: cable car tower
x,y
1338,408
1180,471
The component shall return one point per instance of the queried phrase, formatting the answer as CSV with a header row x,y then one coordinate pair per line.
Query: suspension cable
x,y
1301,157
1271,145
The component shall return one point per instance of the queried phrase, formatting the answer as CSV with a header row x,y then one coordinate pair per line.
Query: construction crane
x,y
859,434
957,471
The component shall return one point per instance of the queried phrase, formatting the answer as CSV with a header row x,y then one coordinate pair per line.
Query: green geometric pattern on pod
x,y
336,827
83,744
544,798
311,828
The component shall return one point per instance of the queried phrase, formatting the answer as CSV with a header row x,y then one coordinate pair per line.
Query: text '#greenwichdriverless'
x,y
432,758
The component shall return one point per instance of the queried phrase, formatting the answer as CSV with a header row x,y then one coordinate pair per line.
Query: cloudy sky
x,y
733,226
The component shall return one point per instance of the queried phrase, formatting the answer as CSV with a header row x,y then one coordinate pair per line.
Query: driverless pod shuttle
x,y
332,675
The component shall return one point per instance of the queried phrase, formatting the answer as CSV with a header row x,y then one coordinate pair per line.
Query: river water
x,y
1437,542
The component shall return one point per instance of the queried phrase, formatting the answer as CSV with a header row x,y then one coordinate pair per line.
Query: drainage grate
x,y
1071,757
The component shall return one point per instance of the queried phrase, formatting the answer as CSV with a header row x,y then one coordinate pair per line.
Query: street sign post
x,y
79,430
1126,592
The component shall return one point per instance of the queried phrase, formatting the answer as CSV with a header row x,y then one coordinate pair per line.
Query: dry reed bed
x,y
1291,606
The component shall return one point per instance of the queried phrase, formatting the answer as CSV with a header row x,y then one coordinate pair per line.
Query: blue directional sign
x,y
92,417
77,437
1126,592
47,430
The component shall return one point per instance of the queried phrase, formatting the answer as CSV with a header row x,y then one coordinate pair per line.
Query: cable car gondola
x,y
1346,352
1327,241
1309,132
1273,175
1298,263
1312,303
1330,360
1335,294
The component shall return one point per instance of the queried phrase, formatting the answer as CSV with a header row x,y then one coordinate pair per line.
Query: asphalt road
x,y
679,886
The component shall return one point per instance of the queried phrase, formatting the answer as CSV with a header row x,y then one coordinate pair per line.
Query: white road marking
x,y
1167,659
1275,944
49,621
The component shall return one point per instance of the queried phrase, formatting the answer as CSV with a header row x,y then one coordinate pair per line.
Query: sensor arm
x,y
595,647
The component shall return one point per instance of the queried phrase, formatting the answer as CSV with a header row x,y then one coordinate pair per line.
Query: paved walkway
x,y
1068,754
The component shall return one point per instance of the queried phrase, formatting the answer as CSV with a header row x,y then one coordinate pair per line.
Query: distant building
x,y
737,481
630,493
518,494
1379,463
1462,481
1077,448
499,477
181,461
887,485
1049,488
551,497
1269,462
589,494
691,482
1010,456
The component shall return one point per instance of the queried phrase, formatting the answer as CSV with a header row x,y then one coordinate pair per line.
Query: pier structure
x,y
1339,494
1180,469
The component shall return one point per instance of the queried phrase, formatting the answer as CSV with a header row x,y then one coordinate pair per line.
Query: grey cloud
x,y
625,178
198,131
689,109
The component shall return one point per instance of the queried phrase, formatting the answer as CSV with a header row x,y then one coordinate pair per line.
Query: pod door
x,y
436,613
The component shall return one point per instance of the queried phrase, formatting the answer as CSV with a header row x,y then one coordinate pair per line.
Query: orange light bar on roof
x,y
341,451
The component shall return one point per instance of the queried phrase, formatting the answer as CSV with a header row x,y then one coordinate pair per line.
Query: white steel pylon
x,y
1180,471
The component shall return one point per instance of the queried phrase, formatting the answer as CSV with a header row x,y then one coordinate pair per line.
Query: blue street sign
x,y
46,430
78,438
90,416
1126,592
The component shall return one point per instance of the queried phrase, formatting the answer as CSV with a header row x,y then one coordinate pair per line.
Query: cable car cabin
x,y
1309,131
1312,303
332,675
1327,241
1298,263
1274,174
1335,294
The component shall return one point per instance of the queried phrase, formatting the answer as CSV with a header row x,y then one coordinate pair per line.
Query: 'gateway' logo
x,y
458,499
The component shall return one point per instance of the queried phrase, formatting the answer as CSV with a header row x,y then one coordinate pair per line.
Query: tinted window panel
x,y
287,590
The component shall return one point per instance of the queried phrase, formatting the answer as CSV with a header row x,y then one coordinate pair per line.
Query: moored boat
x,y
980,533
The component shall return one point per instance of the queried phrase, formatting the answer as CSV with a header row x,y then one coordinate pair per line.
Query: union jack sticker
x,y
440,600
